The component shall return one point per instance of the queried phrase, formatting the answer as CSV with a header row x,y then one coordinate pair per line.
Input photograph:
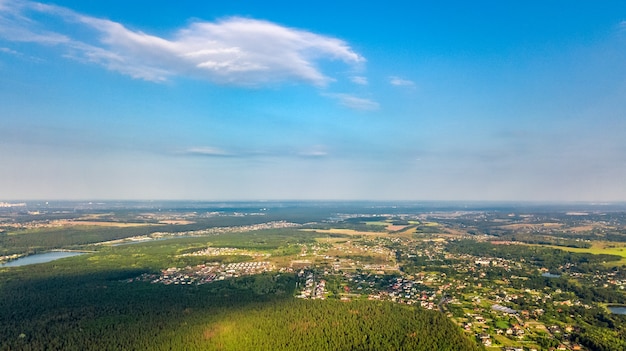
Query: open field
x,y
389,225
331,240
177,222
379,223
598,248
67,223
394,228
344,231
407,233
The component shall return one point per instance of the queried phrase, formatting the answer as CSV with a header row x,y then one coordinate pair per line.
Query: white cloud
x,y
238,51
354,102
397,81
315,151
359,80
16,26
19,55
208,151
9,51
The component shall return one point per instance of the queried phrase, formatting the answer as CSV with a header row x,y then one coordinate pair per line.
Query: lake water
x,y
617,309
40,258
550,275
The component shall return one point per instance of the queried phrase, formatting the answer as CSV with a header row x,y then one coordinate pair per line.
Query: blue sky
x,y
395,100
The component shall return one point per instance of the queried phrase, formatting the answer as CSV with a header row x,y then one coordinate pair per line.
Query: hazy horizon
x,y
281,101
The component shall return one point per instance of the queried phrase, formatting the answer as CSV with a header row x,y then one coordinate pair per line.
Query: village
x,y
484,295
487,308
205,273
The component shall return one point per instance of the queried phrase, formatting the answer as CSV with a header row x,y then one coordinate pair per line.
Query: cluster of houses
x,y
225,251
206,273
410,292
312,289
348,249
609,279
561,347
222,230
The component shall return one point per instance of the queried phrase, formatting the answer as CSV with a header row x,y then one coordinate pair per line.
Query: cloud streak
x,y
316,151
354,102
400,82
208,151
359,80
234,51
9,51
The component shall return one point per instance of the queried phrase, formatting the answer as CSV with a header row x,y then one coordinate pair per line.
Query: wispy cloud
x,y
355,102
19,55
237,51
208,151
9,51
314,152
397,81
16,25
359,80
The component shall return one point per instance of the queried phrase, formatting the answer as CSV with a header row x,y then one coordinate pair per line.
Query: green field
x,y
598,248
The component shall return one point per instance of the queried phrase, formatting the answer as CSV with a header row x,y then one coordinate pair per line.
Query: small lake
x,y
617,309
40,258
550,275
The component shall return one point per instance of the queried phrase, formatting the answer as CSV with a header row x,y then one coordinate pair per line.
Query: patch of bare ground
x,y
176,222
395,228
454,232
584,228
408,233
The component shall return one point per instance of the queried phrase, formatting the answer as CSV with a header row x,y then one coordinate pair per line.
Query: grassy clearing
x,y
66,223
344,231
380,223
395,228
389,226
407,233
597,248
331,240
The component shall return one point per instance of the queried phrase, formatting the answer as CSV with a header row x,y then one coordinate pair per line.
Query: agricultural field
x,y
600,248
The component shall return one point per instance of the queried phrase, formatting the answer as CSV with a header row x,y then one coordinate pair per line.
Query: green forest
x,y
100,311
